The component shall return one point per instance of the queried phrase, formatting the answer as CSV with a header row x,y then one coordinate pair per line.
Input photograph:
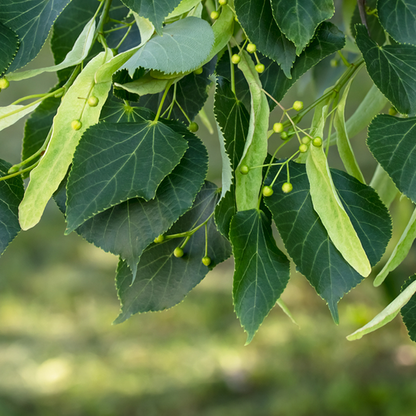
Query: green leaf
x,y
255,148
398,18
408,311
298,19
328,40
392,142
116,162
184,46
75,56
307,240
384,186
262,271
11,193
393,70
387,314
183,7
374,26
37,128
9,45
32,20
155,11
163,280
12,113
257,21
52,168
400,251
330,209
145,85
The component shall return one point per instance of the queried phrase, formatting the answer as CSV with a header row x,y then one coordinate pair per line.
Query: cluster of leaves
x,y
114,143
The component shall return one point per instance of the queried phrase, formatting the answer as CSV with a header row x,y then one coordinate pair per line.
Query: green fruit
x,y
76,124
334,63
392,111
198,71
298,105
4,83
283,135
287,187
277,127
178,252
317,141
193,127
251,48
303,148
260,68
222,2
235,59
267,191
215,15
92,101
206,261
244,169
306,140
159,239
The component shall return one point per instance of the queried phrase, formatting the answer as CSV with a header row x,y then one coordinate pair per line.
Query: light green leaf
x,y
298,19
78,53
384,186
52,168
409,311
255,150
261,272
226,172
9,45
398,18
386,315
400,251
12,113
184,46
328,206
145,85
183,7
343,142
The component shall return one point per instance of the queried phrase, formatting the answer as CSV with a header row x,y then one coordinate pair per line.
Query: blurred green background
x,y
60,355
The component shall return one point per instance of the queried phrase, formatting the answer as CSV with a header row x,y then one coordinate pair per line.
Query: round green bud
x,y
198,71
298,105
222,2
76,124
178,252
306,140
235,59
159,239
284,135
206,261
251,48
260,68
244,169
334,63
92,101
317,141
287,187
303,148
392,111
267,191
215,15
236,19
277,127
4,83
193,127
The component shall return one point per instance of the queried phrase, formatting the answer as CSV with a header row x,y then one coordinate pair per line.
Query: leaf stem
x,y
230,52
12,175
159,110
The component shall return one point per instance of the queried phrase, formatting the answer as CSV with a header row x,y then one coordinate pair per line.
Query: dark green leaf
x,y
307,240
392,142
9,45
11,194
155,11
184,46
163,280
116,162
257,21
393,70
37,128
262,271
409,311
398,18
374,26
123,77
32,20
298,19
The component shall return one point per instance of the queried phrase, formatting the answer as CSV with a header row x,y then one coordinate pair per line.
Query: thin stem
x,y
346,63
123,38
12,175
28,97
230,52
184,243
287,161
183,112
206,240
159,110
190,232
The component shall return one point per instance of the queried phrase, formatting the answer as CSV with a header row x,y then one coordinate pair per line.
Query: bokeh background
x,y
61,355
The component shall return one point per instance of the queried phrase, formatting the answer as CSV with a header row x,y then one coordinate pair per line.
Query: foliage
x,y
110,143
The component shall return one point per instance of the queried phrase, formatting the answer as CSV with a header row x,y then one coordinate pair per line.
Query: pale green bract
x,y
332,213
386,315
183,7
146,85
12,113
255,150
78,53
227,171
52,168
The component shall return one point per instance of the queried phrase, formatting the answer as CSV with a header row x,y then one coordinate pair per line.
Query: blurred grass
x,y
59,353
